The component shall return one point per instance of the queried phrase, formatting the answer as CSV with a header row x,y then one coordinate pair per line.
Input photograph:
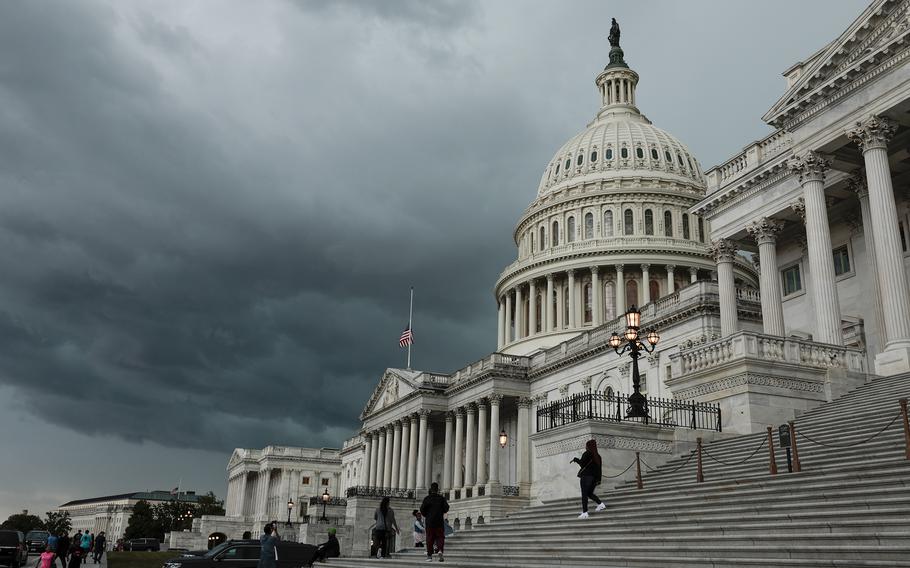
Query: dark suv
x,y
36,541
230,554
13,551
140,544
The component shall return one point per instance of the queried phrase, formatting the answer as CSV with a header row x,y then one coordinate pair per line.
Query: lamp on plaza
x,y
631,341
503,438
290,507
325,501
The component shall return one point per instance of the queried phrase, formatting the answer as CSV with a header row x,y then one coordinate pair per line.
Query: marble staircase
x,y
847,507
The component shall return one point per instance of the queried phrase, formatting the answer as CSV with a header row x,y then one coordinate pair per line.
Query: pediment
x,y
882,26
393,386
236,458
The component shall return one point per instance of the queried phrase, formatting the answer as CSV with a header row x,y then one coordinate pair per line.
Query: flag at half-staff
x,y
407,336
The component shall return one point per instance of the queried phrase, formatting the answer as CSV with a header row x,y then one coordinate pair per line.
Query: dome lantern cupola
x,y
617,82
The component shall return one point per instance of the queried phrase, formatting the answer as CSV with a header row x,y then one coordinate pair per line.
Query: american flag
x,y
407,338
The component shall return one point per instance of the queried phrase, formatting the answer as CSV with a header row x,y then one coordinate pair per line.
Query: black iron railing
x,y
333,502
319,520
664,412
510,490
363,491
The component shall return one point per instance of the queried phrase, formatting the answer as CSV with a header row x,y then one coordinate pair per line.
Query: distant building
x,y
111,513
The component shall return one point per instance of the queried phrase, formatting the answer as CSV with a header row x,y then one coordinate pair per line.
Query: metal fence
x,y
663,412
364,491
333,502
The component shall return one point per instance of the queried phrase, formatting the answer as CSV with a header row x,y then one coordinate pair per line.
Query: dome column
x,y
671,279
646,284
532,308
500,323
508,322
597,292
693,275
572,307
560,309
548,304
620,289
519,313
724,251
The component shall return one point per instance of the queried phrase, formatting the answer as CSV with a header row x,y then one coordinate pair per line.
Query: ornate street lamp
x,y
631,341
503,438
290,507
325,501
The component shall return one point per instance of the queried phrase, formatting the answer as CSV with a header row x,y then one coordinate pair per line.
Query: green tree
x,y
174,515
142,523
208,504
22,522
57,523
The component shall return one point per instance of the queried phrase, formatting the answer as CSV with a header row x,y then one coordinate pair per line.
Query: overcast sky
x,y
211,212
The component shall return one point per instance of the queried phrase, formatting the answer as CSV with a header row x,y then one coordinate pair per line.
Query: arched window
x,y
679,158
631,293
654,288
543,238
587,302
628,222
594,156
609,301
608,224
624,152
654,153
686,233
570,230
666,155
701,229
609,154
589,225
532,241
538,306
668,224
639,153
554,234
568,163
649,222
557,169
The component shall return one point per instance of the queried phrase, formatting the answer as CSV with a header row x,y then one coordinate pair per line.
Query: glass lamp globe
x,y
633,317
653,337
615,340
631,334
503,438
326,496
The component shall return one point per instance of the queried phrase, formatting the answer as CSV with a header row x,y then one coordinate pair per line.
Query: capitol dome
x,y
609,226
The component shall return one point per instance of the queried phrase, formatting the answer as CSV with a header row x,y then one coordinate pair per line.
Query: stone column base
x,y
893,360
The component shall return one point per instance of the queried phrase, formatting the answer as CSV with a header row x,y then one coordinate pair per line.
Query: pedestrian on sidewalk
x,y
420,532
86,544
433,509
267,542
63,548
46,560
385,524
589,475
98,547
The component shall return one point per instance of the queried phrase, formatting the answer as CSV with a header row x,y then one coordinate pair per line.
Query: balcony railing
x,y
379,492
666,413
333,502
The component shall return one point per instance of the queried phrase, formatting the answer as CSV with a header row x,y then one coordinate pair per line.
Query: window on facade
x,y
631,293
557,169
628,222
701,230
686,233
325,481
653,153
538,305
791,280
639,153
554,234
841,261
643,383
543,238
594,156
680,160
649,222
589,225
654,289
588,302
668,224
568,163
609,154
609,301
608,224
570,230
579,160
624,153
305,480
532,240
668,157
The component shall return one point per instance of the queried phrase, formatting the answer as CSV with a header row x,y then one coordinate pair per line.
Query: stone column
x,y
519,313
470,451
597,292
428,465
380,459
458,481
693,275
387,468
560,309
524,445
873,136
374,459
811,170
447,458
572,305
396,456
500,323
422,451
367,449
495,399
548,304
241,498
671,279
508,330
620,290
284,490
412,452
765,231
405,451
858,185
724,251
646,284
532,308
481,443
262,488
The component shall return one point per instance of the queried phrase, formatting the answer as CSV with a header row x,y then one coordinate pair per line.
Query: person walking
x,y
433,509
63,548
86,544
267,542
98,547
385,524
46,560
589,475
420,531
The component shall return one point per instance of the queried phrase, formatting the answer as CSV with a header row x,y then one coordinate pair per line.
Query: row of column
x,y
397,455
882,235
511,320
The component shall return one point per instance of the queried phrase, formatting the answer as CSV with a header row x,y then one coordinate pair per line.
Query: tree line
x,y
53,522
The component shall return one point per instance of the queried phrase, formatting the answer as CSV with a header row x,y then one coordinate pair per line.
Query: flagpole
x,y
410,320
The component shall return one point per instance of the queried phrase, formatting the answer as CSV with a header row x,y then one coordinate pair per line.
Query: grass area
x,y
138,559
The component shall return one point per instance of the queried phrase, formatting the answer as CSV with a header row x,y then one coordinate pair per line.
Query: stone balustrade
x,y
750,158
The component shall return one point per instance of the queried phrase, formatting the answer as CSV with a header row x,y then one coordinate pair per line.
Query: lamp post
x,y
290,507
631,341
325,501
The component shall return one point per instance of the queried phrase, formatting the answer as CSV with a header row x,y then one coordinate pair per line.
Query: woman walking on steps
x,y
589,476
385,524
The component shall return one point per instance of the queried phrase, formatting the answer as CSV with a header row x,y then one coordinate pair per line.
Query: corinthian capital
x,y
811,166
765,230
799,207
874,132
723,250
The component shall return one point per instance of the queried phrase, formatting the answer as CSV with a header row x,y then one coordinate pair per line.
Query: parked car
x,y
230,554
13,551
140,544
36,541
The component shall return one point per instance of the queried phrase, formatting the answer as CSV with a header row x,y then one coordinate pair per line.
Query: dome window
x,y
639,153
557,169
668,224
628,222
701,229
594,156
680,159
579,160
668,156
654,153
609,154
649,222
624,153
568,164
686,232
589,225
570,230
543,238
554,234
608,223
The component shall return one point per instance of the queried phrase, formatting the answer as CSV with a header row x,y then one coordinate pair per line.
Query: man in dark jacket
x,y
98,547
63,548
328,549
433,508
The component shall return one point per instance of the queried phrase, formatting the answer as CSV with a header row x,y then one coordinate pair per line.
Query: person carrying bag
x,y
589,475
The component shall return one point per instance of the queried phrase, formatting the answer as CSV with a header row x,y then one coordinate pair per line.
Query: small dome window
x,y
579,160
653,153
609,154
594,156
624,152
568,163
557,169
680,159
668,156
639,153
